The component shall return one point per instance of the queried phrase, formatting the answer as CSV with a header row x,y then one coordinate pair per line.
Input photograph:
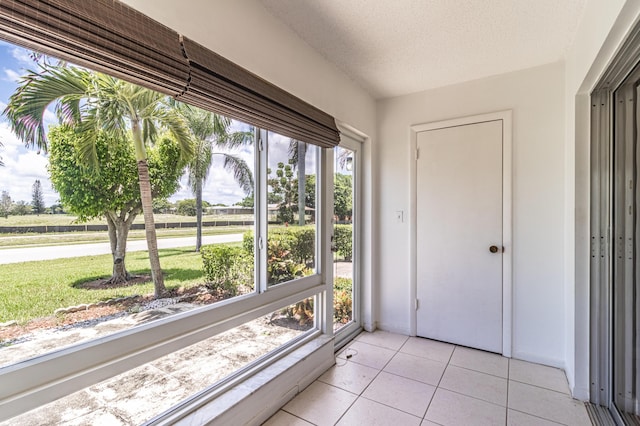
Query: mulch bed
x,y
197,295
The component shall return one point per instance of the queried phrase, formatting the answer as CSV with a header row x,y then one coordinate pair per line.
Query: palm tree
x,y
298,155
211,131
93,102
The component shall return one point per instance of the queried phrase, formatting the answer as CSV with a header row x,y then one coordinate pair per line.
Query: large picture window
x,y
261,145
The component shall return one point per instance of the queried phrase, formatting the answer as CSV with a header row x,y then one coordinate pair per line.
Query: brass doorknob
x,y
493,249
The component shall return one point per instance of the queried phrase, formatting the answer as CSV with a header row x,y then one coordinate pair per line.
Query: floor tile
x,y
349,376
383,338
452,409
538,375
432,349
282,418
320,404
475,384
516,418
548,404
407,395
371,413
416,368
366,354
484,362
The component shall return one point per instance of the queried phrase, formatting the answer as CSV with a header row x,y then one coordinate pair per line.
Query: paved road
x,y
74,250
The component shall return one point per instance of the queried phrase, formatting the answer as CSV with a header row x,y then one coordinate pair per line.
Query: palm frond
x,y
241,171
177,126
200,164
36,91
234,139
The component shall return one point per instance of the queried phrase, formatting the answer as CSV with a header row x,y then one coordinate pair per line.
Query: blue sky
x,y
24,165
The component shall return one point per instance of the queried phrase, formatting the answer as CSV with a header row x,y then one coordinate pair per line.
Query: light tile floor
x,y
388,379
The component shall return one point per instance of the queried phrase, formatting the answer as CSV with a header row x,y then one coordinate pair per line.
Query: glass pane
x,y
291,232
75,263
343,247
144,392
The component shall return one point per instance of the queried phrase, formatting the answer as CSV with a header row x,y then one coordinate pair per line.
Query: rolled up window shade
x,y
111,37
218,83
103,35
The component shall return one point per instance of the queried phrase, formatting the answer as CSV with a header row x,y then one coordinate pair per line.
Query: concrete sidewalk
x,y
16,255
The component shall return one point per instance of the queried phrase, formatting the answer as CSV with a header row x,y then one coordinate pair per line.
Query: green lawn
x,y
36,289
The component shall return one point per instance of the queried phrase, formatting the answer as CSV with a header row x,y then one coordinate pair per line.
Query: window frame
x,y
28,384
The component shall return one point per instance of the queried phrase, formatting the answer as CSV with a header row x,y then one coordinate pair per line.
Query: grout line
x,y
294,415
542,387
473,397
391,406
539,417
482,372
446,365
506,414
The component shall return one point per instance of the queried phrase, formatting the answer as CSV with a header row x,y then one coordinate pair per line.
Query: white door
x,y
459,235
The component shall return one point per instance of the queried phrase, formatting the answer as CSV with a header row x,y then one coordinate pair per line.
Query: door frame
x,y
507,177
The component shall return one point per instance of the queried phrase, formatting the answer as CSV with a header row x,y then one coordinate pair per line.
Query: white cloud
x,y
22,55
22,167
11,75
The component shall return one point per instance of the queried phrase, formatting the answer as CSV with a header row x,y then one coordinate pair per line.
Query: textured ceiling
x,y
395,47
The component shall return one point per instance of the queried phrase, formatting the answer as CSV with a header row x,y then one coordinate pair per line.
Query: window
x,y
291,197
113,38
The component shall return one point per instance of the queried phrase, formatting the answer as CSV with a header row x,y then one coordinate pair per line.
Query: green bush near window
x,y
300,240
342,300
226,268
289,252
343,240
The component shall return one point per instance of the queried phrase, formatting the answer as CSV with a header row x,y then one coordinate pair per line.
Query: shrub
x,y
342,300
226,268
301,311
247,242
281,266
299,240
343,240
303,244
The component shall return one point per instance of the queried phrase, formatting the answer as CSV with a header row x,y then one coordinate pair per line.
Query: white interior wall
x,y
536,98
603,28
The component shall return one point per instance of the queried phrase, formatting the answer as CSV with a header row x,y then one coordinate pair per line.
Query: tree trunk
x,y
198,214
302,154
118,230
150,228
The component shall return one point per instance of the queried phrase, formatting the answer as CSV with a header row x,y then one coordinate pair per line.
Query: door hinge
x,y
417,304
417,153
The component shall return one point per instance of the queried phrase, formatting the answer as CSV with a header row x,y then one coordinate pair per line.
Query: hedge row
x,y
301,241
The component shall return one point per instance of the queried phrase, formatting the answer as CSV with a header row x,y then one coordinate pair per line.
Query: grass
x,y
37,240
66,219
36,289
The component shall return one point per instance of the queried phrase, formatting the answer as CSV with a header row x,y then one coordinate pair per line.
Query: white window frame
x,y
354,143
